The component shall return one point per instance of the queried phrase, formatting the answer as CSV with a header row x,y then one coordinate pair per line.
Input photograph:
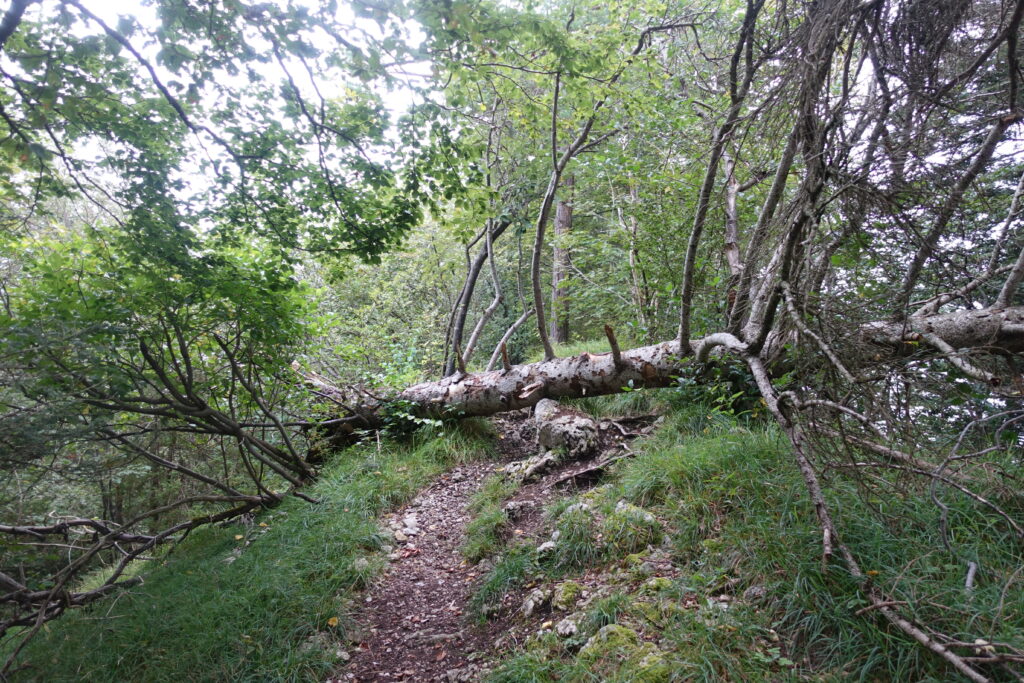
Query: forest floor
x,y
698,559
414,623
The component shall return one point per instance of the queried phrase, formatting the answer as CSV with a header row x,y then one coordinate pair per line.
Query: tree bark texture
x,y
657,365
560,265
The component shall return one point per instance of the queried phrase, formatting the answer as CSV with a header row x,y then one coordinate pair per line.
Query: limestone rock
x,y
563,428
531,468
535,600
611,638
566,627
565,596
652,668
616,648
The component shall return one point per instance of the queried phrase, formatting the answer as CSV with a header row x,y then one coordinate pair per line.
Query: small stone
x,y
409,531
516,507
576,507
755,593
535,600
360,564
545,547
401,537
566,627
458,476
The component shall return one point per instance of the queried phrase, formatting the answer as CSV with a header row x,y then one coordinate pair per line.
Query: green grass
x,y
577,544
217,608
738,516
646,402
484,533
513,569
734,514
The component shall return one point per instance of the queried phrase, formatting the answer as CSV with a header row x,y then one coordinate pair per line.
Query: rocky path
x,y
411,625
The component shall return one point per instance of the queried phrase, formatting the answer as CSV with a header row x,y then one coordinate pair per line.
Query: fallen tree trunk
x,y
655,366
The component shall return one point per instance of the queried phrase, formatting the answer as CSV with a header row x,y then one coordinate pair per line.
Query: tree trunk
x,y
640,290
658,365
465,298
560,266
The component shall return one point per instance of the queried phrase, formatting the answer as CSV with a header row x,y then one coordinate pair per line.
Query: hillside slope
x,y
696,557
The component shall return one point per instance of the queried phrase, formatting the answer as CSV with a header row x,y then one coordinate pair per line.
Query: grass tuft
x,y
512,570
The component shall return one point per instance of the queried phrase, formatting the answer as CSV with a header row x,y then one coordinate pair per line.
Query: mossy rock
x,y
637,559
652,667
566,595
595,494
618,649
648,611
658,584
629,529
612,640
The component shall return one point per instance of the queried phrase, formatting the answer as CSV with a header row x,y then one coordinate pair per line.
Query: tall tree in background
x,y
560,260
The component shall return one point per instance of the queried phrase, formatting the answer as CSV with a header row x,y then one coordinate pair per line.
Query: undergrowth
x,y
751,600
484,531
265,600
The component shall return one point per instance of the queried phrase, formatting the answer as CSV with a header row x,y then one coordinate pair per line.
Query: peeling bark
x,y
589,374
